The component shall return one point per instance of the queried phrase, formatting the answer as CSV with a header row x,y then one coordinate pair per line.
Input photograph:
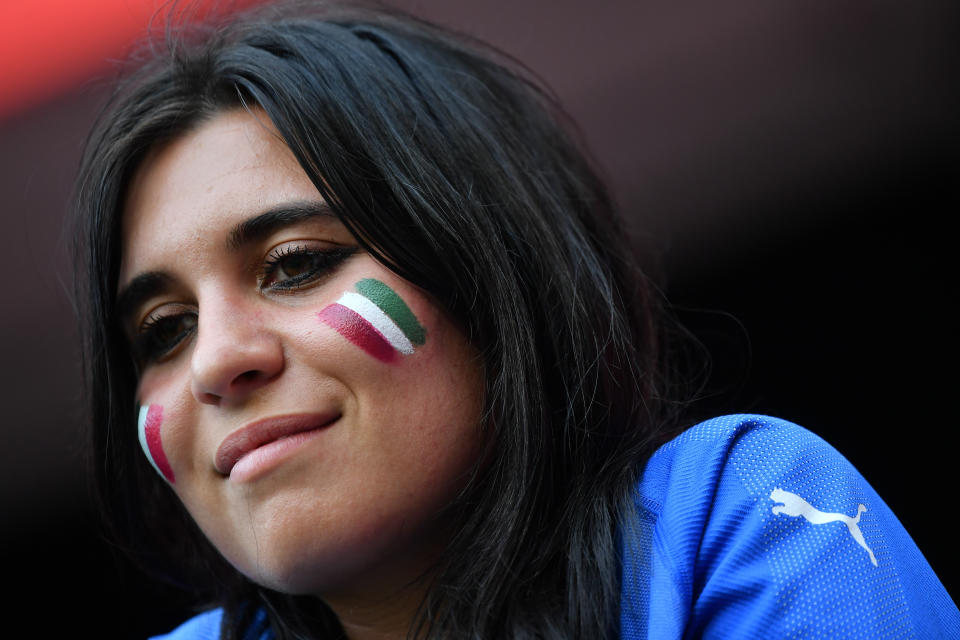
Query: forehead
x,y
195,186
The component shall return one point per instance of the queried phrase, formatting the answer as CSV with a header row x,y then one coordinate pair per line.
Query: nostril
x,y
248,376
210,398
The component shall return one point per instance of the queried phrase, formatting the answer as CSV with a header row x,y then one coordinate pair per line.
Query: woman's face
x,y
314,412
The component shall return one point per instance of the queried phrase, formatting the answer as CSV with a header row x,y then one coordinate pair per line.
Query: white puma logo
x,y
794,505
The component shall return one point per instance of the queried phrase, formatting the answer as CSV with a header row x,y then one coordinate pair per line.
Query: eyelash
x,y
322,262
151,345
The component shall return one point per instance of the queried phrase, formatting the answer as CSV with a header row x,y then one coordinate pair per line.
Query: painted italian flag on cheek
x,y
148,428
375,319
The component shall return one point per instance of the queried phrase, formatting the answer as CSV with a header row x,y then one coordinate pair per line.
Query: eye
x,y
293,266
161,333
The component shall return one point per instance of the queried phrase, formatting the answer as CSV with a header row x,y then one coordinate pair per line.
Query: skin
x,y
354,514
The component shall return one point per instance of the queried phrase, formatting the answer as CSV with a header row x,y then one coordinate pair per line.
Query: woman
x,y
394,372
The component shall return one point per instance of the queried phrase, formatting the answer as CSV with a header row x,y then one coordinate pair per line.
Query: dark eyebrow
x,y
262,225
139,290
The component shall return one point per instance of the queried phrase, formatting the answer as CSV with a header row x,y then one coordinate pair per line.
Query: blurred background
x,y
794,164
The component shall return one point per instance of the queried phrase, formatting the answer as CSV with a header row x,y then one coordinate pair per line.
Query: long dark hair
x,y
455,170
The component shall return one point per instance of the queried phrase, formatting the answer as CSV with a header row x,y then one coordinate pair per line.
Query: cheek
x,y
425,413
150,432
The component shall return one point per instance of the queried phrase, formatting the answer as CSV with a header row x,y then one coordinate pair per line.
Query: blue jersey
x,y
752,527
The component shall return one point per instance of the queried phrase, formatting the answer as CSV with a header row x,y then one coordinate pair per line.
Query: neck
x,y
386,617
381,603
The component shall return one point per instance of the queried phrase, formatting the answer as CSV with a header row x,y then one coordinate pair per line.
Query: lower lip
x,y
266,457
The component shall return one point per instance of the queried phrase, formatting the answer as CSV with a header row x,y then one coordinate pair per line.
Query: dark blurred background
x,y
796,164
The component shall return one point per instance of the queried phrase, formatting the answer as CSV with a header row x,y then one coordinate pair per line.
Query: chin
x,y
308,556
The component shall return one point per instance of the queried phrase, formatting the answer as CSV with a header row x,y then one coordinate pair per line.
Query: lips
x,y
257,434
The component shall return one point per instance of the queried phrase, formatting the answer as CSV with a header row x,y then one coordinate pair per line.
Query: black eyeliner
x,y
325,261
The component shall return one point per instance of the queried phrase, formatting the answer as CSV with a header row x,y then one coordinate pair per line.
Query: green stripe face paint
x,y
376,319
394,306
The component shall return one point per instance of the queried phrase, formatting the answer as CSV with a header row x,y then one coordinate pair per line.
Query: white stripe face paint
x,y
380,321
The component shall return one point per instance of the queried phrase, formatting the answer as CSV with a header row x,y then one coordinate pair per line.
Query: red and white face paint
x,y
376,319
148,428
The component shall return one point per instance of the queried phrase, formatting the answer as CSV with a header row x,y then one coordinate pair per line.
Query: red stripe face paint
x,y
148,428
356,329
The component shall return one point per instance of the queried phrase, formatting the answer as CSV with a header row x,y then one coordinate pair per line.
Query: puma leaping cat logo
x,y
794,505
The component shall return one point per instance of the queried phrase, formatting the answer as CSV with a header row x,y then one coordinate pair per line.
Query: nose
x,y
234,355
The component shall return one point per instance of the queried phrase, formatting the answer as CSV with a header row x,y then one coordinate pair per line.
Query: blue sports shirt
x,y
752,527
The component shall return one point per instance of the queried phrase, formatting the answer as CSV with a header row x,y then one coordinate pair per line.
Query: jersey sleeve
x,y
204,626
207,626
752,527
